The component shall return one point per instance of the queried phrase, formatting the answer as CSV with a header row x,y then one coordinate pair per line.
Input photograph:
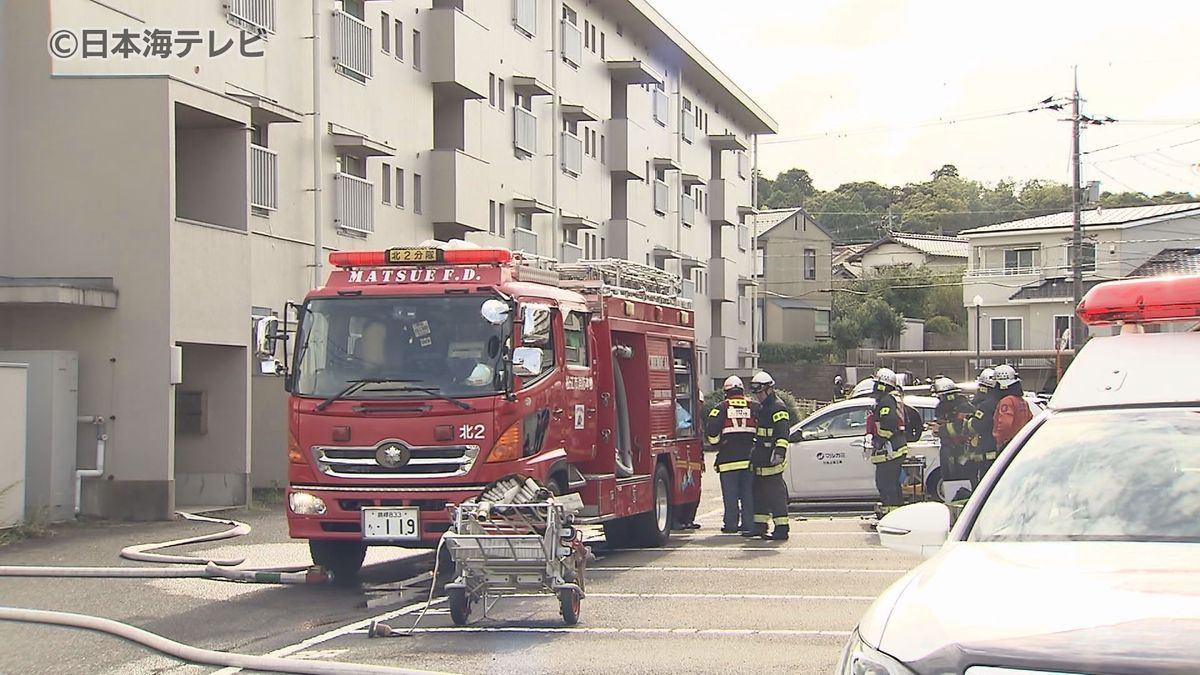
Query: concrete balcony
x,y
457,206
722,280
627,239
458,57
628,149
722,202
570,253
723,354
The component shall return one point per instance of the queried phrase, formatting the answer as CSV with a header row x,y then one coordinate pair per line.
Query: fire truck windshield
x,y
407,347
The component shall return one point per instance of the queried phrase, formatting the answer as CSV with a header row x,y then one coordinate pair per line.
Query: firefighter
x,y
981,426
731,428
952,413
1012,411
839,387
768,461
889,442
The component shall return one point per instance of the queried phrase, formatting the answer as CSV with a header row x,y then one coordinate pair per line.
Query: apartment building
x,y
168,198
794,272
1022,271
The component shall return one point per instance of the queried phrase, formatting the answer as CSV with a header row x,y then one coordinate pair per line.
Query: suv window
x,y
1126,475
840,424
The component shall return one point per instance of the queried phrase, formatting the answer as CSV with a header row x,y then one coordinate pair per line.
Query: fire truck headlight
x,y
305,504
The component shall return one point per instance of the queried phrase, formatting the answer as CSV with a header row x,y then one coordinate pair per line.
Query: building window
x,y
1088,261
416,49
1063,328
500,229
1006,334
821,323
385,32
810,264
417,193
1019,261
386,182
575,339
603,153
587,29
399,187
492,216
399,51
500,92
602,50
492,89
355,8
760,262
593,38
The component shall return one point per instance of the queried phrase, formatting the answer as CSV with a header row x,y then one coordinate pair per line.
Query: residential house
x,y
164,201
843,269
916,250
794,272
1022,270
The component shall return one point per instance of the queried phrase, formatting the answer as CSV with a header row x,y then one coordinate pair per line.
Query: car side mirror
x,y
527,362
917,528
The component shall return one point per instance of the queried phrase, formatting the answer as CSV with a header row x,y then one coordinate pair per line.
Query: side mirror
x,y
917,528
494,311
527,362
535,331
265,334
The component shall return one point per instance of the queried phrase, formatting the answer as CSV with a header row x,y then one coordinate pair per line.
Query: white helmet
x,y
944,385
987,378
733,382
886,377
863,388
761,380
1005,376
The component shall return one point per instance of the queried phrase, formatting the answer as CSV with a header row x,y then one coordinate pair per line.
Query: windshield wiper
x,y
353,386
434,391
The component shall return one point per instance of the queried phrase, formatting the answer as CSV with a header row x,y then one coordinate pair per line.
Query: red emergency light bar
x,y
420,255
1154,299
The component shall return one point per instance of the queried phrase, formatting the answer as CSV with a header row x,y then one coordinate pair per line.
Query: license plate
x,y
405,255
391,524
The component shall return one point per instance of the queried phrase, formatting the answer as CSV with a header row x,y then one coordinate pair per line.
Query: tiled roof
x,y
765,220
929,244
841,253
1052,289
1170,261
1093,217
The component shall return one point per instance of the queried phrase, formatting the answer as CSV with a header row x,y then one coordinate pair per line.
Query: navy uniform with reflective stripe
x,y
730,427
769,460
889,446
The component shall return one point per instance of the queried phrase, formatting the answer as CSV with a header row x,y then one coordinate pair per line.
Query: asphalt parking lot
x,y
708,602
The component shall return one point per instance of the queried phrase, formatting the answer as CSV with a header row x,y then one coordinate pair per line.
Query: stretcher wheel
x,y
569,605
460,605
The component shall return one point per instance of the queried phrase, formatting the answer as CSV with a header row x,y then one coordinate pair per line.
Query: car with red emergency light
x,y
420,375
1080,550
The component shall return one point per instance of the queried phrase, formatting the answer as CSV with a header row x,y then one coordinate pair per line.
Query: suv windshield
x,y
1124,475
418,347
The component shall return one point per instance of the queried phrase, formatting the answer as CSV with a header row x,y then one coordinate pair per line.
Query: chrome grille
x,y
434,461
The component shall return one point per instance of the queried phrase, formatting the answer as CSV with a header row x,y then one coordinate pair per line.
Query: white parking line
x,y
700,548
715,632
731,596
814,570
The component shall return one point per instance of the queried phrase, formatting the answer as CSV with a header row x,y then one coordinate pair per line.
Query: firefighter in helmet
x,y
889,442
769,459
952,413
731,428
981,426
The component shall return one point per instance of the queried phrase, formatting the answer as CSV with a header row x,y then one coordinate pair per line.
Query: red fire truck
x,y
420,375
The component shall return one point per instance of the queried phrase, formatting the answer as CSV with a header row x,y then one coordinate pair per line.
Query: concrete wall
x,y
212,466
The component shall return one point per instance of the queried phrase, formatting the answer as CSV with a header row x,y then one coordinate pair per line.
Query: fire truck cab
x,y
420,375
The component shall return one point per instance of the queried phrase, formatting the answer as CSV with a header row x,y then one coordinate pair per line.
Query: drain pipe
x,y
318,246
80,474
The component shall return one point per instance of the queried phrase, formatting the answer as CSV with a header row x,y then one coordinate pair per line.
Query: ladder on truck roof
x,y
624,279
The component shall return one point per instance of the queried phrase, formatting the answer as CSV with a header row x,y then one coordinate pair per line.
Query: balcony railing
x,y
571,253
355,203
351,45
661,105
525,241
687,126
572,43
264,178
525,16
255,16
572,153
660,196
1004,271
688,210
524,130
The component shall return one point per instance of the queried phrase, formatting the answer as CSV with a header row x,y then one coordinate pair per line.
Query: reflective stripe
x,y
884,410
881,458
769,470
762,518
733,466
781,443
780,520
780,416
713,439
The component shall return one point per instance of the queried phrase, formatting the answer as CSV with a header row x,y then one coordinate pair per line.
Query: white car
x,y
1080,550
827,460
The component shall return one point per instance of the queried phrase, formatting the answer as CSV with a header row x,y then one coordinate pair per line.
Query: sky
x,y
886,90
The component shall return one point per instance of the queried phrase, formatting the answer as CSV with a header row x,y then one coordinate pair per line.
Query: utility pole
x,y
1077,327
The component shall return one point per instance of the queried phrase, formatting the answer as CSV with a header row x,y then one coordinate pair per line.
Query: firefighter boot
x,y
758,530
780,533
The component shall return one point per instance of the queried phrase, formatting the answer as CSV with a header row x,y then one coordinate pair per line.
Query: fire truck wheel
x,y
343,558
460,607
653,529
616,533
569,605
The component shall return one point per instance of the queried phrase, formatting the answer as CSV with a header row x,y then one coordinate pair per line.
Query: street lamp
x,y
978,302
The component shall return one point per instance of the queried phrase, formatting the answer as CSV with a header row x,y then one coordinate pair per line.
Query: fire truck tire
x,y
343,559
653,529
569,605
460,606
616,533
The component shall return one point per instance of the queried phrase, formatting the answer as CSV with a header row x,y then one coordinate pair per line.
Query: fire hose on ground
x,y
224,570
